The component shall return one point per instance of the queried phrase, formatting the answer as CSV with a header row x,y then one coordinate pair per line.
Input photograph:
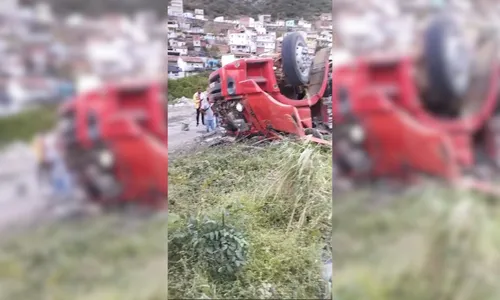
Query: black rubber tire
x,y
444,97
290,66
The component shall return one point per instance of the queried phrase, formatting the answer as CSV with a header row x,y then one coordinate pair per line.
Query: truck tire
x,y
448,66
295,59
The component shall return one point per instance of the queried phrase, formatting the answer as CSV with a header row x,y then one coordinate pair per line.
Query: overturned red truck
x,y
114,140
287,94
435,113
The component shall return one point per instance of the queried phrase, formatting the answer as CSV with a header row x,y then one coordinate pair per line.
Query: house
x,y
239,55
183,50
188,15
325,39
260,28
326,17
197,43
199,14
266,42
246,21
191,64
197,29
172,35
209,36
264,19
177,43
172,24
304,24
239,40
172,64
176,8
312,41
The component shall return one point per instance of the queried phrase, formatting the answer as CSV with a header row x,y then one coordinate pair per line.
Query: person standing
x,y
197,102
206,108
62,186
43,163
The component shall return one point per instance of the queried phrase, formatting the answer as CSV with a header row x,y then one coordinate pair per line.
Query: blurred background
x,y
50,51
368,26
391,239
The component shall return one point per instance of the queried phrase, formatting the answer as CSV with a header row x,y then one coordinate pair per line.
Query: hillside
x,y
278,8
213,8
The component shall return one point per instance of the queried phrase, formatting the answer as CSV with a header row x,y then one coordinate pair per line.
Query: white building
x,y
190,64
196,42
199,14
177,43
240,41
172,25
280,23
176,8
325,38
304,24
259,27
267,42
265,18
183,50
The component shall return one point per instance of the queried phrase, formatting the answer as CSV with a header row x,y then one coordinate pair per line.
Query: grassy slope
x,y
279,197
427,244
104,258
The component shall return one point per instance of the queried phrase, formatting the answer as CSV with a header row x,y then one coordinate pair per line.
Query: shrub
x,y
218,246
26,124
187,86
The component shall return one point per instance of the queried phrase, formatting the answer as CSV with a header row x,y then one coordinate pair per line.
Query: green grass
x,y
23,126
187,86
430,243
427,243
102,258
279,197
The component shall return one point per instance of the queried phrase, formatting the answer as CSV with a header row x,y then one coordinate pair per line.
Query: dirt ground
x,y
180,140
22,198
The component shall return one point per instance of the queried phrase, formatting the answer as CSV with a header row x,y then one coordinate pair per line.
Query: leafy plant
x,y
220,247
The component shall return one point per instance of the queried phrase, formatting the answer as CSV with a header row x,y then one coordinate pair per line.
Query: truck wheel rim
x,y
302,59
457,63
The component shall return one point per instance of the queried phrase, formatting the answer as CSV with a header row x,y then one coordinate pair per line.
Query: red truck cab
x,y
114,140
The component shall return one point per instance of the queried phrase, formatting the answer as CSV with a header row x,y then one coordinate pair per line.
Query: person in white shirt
x,y
206,108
